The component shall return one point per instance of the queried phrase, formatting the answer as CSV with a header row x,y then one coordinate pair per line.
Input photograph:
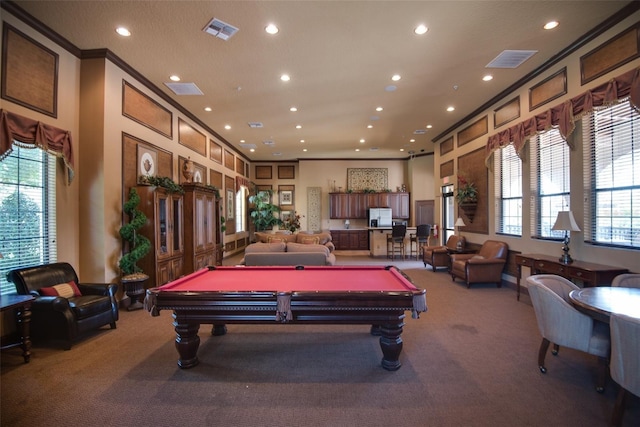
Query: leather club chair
x,y
438,256
484,267
61,317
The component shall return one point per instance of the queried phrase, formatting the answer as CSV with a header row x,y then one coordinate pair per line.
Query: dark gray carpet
x,y
469,361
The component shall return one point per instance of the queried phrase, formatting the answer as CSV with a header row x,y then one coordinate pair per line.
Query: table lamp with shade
x,y
459,223
565,221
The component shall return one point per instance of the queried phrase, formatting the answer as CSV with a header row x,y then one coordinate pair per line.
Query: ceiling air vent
x,y
255,125
248,145
184,88
269,142
419,132
511,58
220,29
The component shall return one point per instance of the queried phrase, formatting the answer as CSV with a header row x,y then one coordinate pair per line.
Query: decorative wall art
x,y
314,208
141,109
192,138
610,55
29,72
229,160
474,130
230,207
263,172
147,161
506,112
286,172
286,197
549,89
359,179
215,151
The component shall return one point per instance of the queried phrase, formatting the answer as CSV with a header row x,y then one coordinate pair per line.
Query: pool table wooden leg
x,y
187,343
391,345
217,330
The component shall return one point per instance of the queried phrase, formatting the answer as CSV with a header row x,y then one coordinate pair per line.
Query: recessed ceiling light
x,y
253,150
369,126
550,25
450,109
487,78
402,149
293,109
357,149
421,29
227,127
304,149
412,140
123,31
298,126
302,141
271,29
396,77
379,109
429,126
174,78
285,77
362,141
207,109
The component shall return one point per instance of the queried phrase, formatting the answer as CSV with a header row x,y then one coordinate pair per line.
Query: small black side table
x,y
22,304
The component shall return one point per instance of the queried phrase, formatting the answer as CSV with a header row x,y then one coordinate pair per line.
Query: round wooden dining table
x,y
599,302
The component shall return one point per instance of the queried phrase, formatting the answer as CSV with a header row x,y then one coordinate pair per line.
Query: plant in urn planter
x,y
467,197
133,277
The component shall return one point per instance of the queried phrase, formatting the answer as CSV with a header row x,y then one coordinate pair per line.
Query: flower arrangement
x,y
467,191
292,223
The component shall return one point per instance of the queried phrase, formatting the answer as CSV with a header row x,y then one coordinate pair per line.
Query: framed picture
x,y
230,208
286,197
285,215
199,174
147,161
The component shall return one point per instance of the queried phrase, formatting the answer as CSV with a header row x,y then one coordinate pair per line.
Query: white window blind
x,y
612,176
508,184
550,171
27,211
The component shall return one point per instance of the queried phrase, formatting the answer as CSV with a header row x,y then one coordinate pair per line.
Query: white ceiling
x,y
340,56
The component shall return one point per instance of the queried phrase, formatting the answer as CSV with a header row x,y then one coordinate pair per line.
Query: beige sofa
x,y
290,249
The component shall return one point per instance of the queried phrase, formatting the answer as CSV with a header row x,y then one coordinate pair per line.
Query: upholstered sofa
x,y
290,249
64,308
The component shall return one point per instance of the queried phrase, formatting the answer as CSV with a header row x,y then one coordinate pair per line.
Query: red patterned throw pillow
x,y
66,290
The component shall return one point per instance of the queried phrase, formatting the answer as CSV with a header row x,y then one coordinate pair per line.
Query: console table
x,y
589,273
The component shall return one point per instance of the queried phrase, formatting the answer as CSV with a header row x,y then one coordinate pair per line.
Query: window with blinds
x,y
27,211
612,176
550,173
508,184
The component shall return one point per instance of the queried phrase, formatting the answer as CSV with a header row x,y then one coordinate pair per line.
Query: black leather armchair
x,y
57,317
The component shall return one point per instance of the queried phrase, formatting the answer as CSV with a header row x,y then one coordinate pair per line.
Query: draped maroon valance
x,y
565,115
241,181
32,133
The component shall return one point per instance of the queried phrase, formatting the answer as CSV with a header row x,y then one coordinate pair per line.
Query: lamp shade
x,y
460,223
565,221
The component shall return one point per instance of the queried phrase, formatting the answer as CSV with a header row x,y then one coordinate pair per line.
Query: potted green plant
x,y
263,213
467,196
137,246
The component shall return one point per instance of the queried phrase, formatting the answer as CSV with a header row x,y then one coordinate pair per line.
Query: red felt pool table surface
x,y
290,279
374,295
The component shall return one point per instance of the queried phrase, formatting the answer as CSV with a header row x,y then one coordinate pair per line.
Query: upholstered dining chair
x,y
420,238
395,241
625,360
629,280
561,324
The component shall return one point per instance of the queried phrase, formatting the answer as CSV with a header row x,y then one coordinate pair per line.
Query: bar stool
x,y
395,241
420,238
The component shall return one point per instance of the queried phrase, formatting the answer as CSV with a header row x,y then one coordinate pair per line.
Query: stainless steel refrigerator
x,y
380,217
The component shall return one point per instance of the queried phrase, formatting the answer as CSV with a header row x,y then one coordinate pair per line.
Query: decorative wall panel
x,y
359,179
314,208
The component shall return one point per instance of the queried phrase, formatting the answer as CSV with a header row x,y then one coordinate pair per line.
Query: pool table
x,y
374,295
